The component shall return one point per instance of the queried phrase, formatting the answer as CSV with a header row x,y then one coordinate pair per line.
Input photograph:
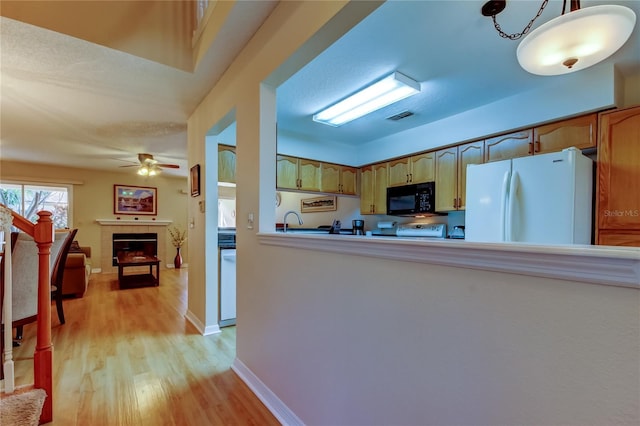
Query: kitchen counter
x,y
604,265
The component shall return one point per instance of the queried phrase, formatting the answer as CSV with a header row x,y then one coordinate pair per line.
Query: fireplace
x,y
138,243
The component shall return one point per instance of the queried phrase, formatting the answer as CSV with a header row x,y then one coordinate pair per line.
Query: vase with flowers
x,y
178,238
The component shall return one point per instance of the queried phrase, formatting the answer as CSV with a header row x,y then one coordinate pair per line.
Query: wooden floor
x,y
128,357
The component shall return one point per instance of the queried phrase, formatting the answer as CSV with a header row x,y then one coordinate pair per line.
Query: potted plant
x,y
178,238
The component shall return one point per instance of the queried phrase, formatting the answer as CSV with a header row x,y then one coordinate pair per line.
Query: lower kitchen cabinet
x,y
618,183
373,189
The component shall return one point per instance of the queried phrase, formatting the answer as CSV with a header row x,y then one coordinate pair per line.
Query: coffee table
x,y
138,279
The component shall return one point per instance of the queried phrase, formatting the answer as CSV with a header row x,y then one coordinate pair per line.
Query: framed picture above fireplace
x,y
135,200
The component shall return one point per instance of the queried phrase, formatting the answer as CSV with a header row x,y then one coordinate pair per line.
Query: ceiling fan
x,y
150,167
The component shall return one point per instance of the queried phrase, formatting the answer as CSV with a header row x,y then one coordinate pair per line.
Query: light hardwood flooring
x,y
129,357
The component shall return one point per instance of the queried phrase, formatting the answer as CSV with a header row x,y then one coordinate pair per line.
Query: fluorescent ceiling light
x,y
576,40
386,91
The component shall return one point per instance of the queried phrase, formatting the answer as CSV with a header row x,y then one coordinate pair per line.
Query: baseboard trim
x,y
264,394
204,330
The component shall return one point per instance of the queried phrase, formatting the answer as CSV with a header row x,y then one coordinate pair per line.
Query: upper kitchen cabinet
x,y
338,179
373,189
415,169
297,173
618,184
580,132
512,145
451,174
226,163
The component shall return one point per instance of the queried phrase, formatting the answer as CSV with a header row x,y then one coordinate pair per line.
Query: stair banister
x,y
42,234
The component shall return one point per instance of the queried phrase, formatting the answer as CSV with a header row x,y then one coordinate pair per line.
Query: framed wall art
x,y
195,180
137,200
318,204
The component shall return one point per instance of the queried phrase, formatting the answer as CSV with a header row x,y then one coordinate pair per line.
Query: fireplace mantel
x,y
127,222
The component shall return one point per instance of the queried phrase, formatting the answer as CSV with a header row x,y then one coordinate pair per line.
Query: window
x,y
28,199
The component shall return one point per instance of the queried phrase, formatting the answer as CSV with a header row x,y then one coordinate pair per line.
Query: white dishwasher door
x,y
227,287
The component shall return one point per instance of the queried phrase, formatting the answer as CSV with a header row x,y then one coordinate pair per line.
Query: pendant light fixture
x,y
571,42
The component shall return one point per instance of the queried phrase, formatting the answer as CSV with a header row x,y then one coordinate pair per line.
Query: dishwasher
x,y
227,270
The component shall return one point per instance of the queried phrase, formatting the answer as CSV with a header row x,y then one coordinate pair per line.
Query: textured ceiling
x,y
71,102
448,46
66,101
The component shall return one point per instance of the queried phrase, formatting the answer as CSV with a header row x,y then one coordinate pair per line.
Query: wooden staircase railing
x,y
42,233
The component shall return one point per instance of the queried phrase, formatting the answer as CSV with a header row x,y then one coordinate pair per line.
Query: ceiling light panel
x,y
386,91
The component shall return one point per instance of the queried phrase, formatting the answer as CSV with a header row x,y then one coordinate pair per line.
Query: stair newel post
x,y
43,357
6,219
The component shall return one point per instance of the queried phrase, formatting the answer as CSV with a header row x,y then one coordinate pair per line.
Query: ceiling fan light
x,y
143,171
587,35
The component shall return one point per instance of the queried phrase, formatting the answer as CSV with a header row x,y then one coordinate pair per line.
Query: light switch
x,y
250,221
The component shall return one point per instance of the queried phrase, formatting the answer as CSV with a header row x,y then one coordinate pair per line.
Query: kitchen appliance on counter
x,y
227,276
424,230
357,227
411,200
457,232
542,199
385,228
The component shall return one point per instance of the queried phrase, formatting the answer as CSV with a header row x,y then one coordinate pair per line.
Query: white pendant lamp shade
x,y
576,40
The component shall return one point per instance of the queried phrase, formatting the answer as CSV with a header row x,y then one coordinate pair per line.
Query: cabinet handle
x,y
537,146
459,202
410,177
455,203
407,181
530,148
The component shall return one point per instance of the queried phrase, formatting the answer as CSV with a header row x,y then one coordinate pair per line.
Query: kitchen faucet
x,y
285,219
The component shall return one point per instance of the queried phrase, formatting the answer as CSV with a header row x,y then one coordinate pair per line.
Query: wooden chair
x,y
57,273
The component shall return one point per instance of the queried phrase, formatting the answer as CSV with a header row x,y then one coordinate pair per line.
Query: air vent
x,y
400,116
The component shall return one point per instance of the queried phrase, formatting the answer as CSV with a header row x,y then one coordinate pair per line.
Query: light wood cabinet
x,y
451,174
418,168
297,173
471,153
580,132
512,145
373,189
226,163
338,179
618,183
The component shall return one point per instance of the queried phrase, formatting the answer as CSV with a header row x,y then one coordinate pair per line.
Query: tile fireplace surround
x,y
115,226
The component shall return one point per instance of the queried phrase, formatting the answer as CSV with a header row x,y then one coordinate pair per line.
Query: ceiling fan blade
x,y
131,165
168,166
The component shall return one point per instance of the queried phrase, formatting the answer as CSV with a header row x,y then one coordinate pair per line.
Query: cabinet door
x,y
619,238
286,172
471,153
309,175
399,171
504,147
423,168
330,177
367,182
579,132
226,163
619,170
380,188
349,180
446,179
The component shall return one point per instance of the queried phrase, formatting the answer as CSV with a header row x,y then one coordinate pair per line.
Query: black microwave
x,y
411,200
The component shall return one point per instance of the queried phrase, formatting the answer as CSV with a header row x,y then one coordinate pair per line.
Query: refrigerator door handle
x,y
513,189
504,196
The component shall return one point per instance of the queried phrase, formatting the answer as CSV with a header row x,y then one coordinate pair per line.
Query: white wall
x,y
348,339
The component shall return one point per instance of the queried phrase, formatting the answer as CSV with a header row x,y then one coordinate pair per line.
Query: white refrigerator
x,y
544,199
